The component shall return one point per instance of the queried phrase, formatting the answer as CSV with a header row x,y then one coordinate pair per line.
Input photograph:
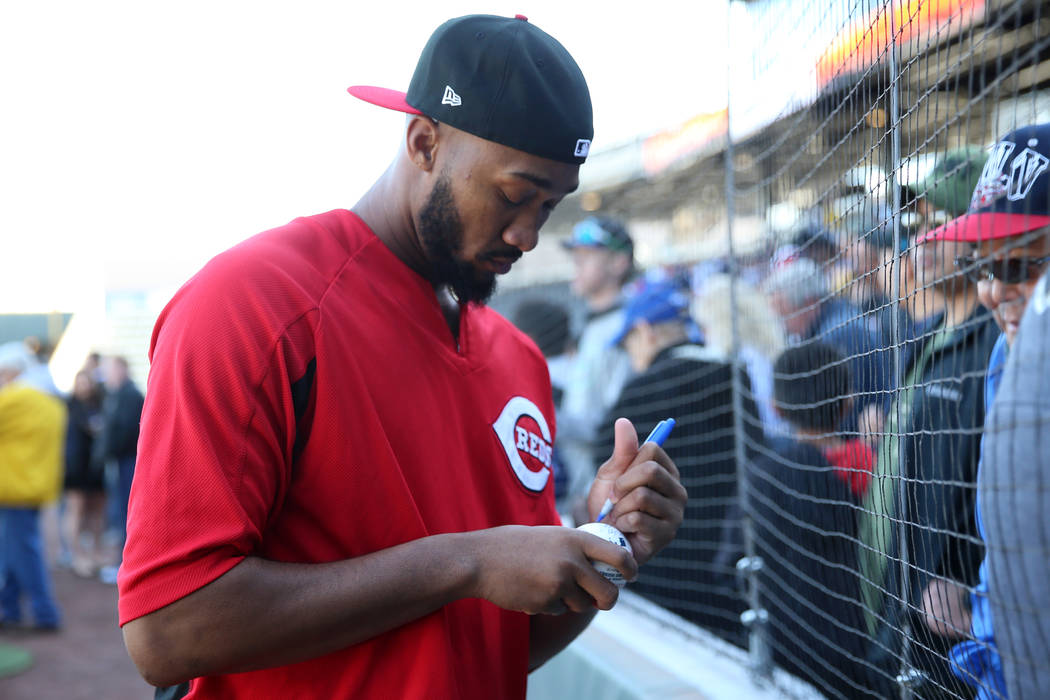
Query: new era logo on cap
x,y
450,97
583,147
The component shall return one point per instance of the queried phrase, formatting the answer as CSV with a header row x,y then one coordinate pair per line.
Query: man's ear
x,y
421,141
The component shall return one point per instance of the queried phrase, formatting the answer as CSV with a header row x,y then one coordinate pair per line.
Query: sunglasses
x,y
1007,270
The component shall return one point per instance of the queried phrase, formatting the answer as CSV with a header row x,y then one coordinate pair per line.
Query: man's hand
x,y
546,569
946,609
646,489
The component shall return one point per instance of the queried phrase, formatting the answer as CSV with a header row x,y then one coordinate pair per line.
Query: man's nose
x,y
523,233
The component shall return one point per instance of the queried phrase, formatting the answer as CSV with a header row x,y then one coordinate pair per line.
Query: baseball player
x,y
344,485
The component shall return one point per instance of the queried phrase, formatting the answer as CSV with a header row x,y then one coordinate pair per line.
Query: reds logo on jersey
x,y
526,438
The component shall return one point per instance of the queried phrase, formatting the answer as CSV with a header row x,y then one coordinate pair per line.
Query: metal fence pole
x,y
906,677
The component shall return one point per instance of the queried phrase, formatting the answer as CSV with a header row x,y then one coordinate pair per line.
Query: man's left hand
x,y
645,487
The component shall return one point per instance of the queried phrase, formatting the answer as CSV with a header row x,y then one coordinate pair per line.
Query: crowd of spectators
x,y
76,452
849,455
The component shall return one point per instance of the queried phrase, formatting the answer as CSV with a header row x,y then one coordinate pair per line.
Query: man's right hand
x,y
262,613
546,569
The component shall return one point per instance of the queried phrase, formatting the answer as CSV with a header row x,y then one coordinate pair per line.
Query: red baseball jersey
x,y
307,402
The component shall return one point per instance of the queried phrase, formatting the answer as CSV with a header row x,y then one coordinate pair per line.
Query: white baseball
x,y
609,534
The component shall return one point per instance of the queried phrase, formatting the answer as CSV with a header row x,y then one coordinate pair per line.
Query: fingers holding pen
x,y
650,502
650,485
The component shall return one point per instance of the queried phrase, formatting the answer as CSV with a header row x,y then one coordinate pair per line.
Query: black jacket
x,y
82,470
692,385
803,525
938,454
121,413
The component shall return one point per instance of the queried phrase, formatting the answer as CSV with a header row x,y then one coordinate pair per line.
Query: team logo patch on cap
x,y
1012,178
526,439
583,147
450,97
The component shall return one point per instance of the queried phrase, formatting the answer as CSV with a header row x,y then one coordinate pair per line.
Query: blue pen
x,y
659,434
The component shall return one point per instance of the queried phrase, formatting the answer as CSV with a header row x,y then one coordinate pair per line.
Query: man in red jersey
x,y
343,486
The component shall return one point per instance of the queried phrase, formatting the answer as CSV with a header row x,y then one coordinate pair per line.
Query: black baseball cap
x,y
1012,196
502,79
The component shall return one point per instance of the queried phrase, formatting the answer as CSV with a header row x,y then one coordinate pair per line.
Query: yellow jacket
x,y
32,443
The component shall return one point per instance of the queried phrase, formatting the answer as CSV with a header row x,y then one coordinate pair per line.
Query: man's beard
x,y
441,233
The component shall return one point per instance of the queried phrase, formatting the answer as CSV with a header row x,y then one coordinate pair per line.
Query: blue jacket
x,y
977,661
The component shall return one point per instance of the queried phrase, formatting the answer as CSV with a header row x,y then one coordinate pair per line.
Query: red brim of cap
x,y
978,227
384,97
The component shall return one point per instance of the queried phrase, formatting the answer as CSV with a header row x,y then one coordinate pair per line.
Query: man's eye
x,y
509,201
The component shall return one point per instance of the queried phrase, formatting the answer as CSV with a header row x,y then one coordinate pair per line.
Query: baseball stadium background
x,y
849,129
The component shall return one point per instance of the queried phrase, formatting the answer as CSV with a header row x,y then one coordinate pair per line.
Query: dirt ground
x,y
86,659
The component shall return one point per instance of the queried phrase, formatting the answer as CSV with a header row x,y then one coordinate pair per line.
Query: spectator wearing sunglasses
x,y
1008,222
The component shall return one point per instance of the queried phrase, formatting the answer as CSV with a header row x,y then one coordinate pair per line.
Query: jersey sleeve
x,y
218,431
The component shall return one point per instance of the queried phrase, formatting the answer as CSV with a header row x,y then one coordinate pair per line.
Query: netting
x,y
834,375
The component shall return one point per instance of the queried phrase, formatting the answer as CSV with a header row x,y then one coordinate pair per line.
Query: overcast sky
x,y
139,138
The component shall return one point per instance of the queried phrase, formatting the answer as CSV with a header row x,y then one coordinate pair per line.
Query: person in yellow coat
x,y
32,433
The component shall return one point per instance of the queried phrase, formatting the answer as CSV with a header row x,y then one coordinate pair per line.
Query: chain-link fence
x,y
830,352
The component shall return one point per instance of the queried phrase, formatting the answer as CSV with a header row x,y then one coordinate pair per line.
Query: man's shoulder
x,y
687,361
601,328
130,392
250,294
282,271
973,339
307,247
788,453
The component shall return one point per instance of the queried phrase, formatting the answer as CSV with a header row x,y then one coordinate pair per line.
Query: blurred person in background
x,y
869,258
1009,222
677,378
799,292
603,257
927,461
84,518
943,192
38,374
761,337
115,448
817,244
547,324
93,365
804,526
32,433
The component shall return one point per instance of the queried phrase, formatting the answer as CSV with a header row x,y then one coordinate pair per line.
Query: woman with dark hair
x,y
85,493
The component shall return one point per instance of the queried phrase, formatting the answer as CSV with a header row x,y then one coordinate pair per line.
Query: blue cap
x,y
601,232
654,303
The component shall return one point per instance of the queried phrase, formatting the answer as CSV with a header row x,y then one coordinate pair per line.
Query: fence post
x,y
907,677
